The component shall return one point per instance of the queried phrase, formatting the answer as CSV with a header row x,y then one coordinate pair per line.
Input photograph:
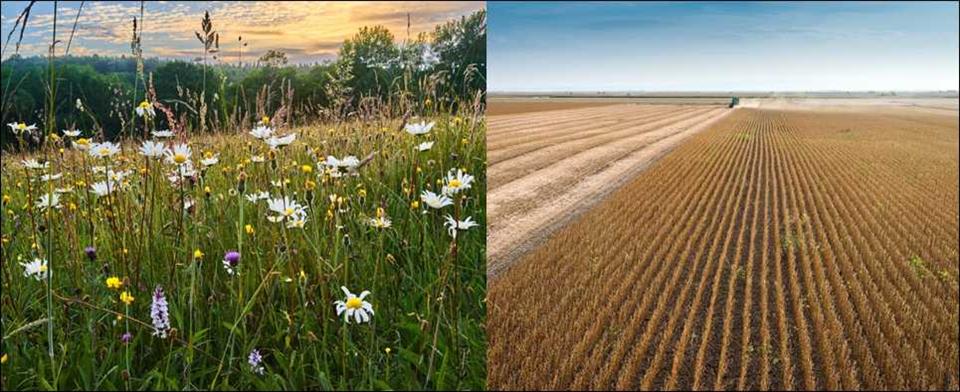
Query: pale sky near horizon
x,y
307,31
722,47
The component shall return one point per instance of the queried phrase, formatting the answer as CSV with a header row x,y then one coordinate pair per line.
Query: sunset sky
x,y
306,31
720,46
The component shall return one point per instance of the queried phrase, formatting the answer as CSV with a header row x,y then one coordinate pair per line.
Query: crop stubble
x,y
771,251
545,168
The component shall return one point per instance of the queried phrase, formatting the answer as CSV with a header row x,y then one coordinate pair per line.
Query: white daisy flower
x,y
66,189
277,142
418,128
210,161
118,176
145,109
103,188
48,201
453,225
33,164
262,132
36,269
51,177
285,208
19,128
354,307
425,146
297,221
71,133
179,154
152,149
82,144
434,200
255,197
382,221
166,133
257,159
457,182
104,150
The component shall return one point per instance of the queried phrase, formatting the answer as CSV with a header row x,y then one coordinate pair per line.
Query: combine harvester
x,y
734,101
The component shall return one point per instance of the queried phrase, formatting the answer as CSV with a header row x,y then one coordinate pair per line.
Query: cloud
x,y
305,29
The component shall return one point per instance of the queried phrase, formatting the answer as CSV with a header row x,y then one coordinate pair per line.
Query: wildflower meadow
x,y
343,251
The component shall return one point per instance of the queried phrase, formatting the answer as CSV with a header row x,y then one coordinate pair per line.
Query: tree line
x,y
374,73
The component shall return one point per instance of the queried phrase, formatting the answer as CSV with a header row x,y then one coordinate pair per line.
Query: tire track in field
x,y
525,210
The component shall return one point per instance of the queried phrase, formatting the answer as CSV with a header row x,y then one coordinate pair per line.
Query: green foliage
x,y
438,71
428,298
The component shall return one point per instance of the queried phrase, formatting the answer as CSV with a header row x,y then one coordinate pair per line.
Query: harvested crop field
x,y
545,168
799,249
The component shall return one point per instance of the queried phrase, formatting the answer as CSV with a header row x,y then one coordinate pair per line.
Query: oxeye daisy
x,y
418,128
48,201
104,150
145,109
382,221
81,143
276,142
166,133
51,177
36,269
354,307
456,182
453,225
298,221
434,200
69,133
103,188
210,160
179,154
33,164
21,127
262,132
152,149
255,197
285,208
425,146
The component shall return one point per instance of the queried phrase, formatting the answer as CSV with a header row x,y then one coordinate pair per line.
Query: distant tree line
x,y
445,67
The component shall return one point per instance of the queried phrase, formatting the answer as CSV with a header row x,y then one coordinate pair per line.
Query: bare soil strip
x,y
532,194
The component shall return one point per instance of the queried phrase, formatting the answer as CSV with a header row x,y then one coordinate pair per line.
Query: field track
x,y
775,250
545,168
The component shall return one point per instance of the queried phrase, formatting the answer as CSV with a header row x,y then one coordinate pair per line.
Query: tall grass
x,y
151,232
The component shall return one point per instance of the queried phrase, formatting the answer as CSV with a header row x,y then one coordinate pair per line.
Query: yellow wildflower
x,y
126,298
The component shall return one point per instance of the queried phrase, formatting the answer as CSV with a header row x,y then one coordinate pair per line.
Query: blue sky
x,y
717,47
306,31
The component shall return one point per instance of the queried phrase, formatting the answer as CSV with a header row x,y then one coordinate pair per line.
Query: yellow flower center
x,y
179,158
454,183
104,151
83,141
43,268
288,211
144,105
354,303
265,120
22,126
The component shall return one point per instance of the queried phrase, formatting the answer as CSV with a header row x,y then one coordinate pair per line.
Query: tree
x,y
273,58
372,57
